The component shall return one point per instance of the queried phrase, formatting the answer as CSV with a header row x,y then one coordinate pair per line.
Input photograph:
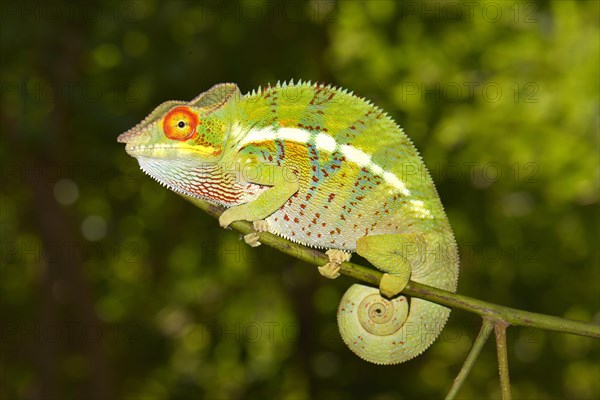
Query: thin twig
x,y
482,337
500,331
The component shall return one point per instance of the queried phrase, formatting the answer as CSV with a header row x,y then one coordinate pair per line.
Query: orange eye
x,y
180,123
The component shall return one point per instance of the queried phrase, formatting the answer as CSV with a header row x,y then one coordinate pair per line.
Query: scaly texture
x,y
323,168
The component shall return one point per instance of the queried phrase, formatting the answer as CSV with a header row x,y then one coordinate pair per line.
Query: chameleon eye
x,y
180,123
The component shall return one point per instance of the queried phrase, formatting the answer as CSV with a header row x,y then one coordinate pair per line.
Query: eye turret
x,y
180,123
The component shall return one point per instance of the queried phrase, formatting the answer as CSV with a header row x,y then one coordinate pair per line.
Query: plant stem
x,y
500,331
482,337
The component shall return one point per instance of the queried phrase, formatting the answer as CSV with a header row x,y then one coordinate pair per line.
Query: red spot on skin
x,y
302,205
315,179
286,217
344,218
338,230
323,224
317,215
331,232
308,196
307,233
331,197
318,235
296,220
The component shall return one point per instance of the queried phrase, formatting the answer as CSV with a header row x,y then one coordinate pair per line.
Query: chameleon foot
x,y
331,270
252,238
391,285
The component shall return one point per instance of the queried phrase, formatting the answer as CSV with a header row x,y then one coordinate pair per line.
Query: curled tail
x,y
385,331
391,331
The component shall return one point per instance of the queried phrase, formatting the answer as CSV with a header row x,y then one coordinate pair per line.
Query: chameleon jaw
x,y
171,150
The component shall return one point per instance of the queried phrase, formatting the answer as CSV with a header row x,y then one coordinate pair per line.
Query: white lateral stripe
x,y
293,134
236,132
356,155
258,135
376,169
325,142
419,207
397,183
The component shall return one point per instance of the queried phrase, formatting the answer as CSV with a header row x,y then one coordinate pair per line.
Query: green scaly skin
x,y
324,168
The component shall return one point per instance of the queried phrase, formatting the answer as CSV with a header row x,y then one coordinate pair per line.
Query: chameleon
x,y
322,167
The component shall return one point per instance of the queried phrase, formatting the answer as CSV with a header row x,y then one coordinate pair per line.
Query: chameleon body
x,y
324,168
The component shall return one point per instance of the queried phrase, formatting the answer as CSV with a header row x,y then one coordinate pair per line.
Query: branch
x,y
482,338
500,331
489,311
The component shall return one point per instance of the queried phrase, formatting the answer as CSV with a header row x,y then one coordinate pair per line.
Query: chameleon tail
x,y
392,331
385,331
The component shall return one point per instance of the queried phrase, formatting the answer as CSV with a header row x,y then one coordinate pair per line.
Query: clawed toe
x,y
252,239
330,270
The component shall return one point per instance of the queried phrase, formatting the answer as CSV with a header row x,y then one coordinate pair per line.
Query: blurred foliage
x,y
113,287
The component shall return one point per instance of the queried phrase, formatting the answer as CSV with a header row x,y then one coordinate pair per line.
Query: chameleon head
x,y
181,144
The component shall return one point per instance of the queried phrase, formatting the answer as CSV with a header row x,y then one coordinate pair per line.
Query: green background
x,y
114,287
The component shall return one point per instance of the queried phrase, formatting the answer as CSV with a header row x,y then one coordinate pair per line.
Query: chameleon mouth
x,y
170,151
150,150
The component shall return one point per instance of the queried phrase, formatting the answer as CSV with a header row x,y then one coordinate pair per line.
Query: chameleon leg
x,y
252,238
390,254
331,270
283,185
